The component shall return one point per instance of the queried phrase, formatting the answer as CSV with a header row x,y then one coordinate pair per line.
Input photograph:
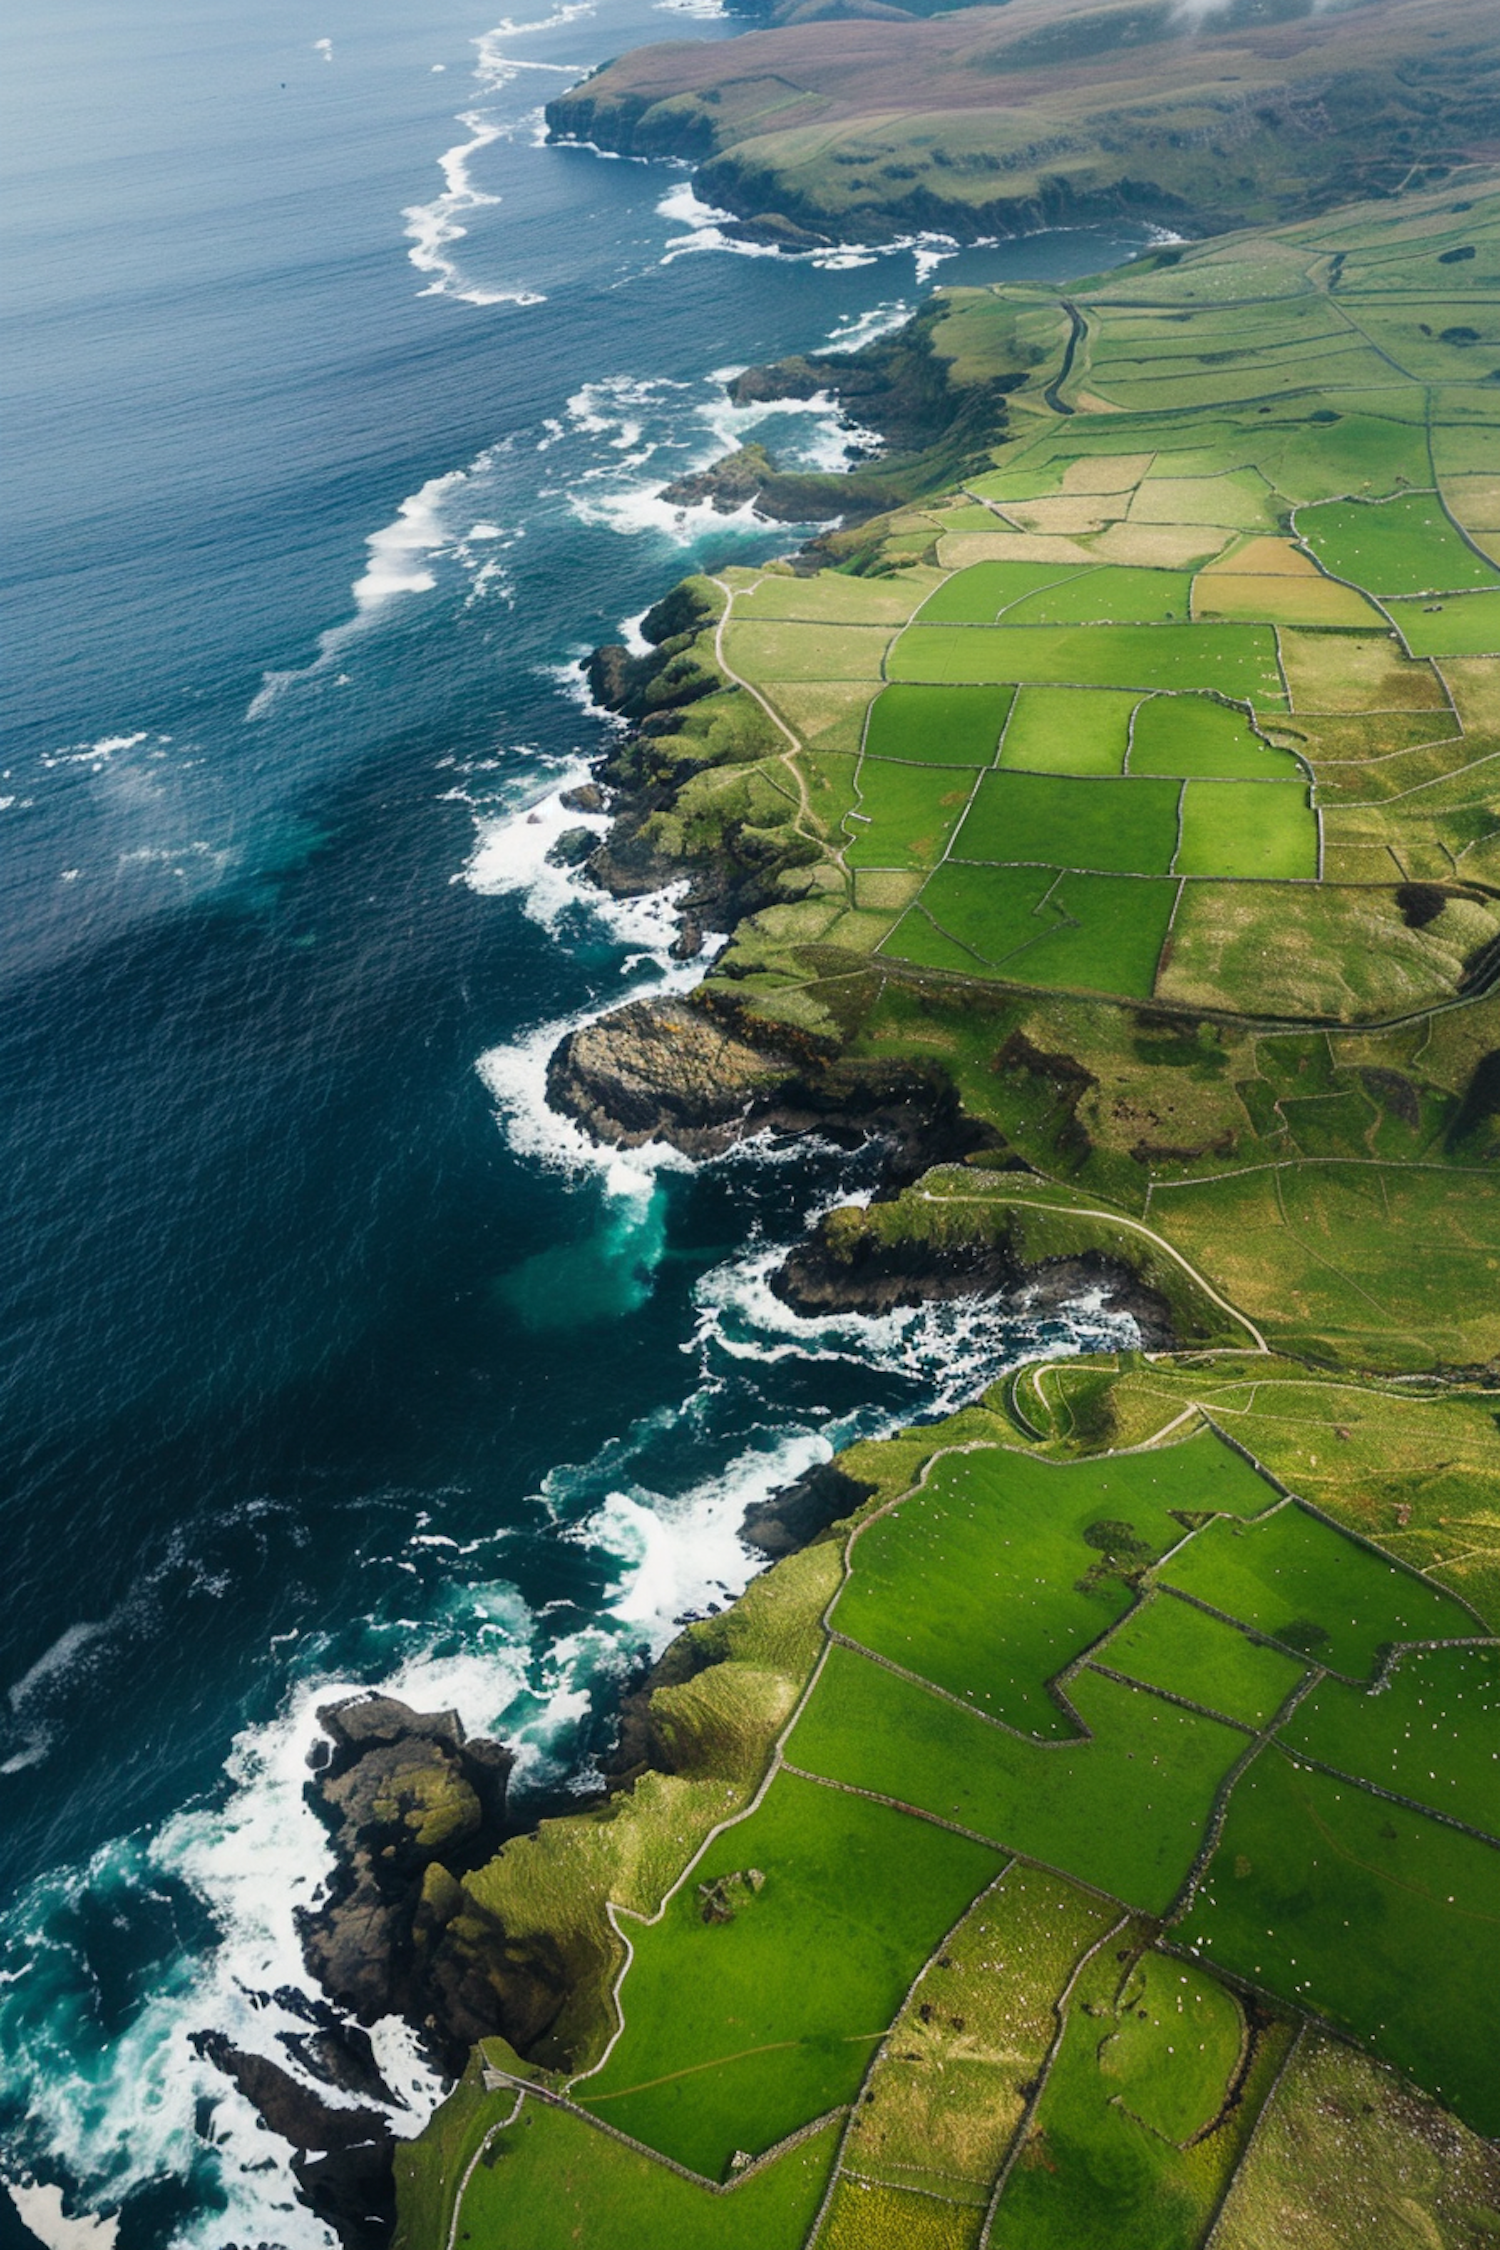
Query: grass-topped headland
x,y
993,121
1015,1833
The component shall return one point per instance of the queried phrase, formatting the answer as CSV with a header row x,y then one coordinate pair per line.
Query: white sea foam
x,y
323,47
41,2210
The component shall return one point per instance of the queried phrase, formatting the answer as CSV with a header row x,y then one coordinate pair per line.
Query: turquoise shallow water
x,y
327,1355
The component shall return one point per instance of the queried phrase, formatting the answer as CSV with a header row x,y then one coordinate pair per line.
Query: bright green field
x,y
1303,1582
1255,830
1402,546
1146,2061
555,2182
1110,596
1467,626
1191,735
977,595
1170,1644
973,1581
1068,730
946,726
1123,1810
1118,827
1432,1731
736,2033
905,814
1383,1920
1237,660
1077,932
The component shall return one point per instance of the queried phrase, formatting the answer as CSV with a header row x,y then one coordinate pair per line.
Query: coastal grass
x,y
1401,546
552,2180
1040,926
1147,2060
1381,1919
1002,1568
1113,595
1334,672
1360,1263
1066,730
1348,2155
1303,1583
1283,600
802,652
1103,826
1251,830
1431,1731
946,2096
976,595
1123,1809
1468,625
1235,660
737,2033
948,726
1339,953
905,813
1175,1645
1190,736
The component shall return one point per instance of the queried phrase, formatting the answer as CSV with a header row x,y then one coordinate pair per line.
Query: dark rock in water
x,y
661,1070
840,1271
286,2106
688,943
341,2056
587,797
353,2190
801,1511
672,1070
412,1805
572,847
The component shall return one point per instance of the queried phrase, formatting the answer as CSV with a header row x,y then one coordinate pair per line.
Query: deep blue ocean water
x,y
337,408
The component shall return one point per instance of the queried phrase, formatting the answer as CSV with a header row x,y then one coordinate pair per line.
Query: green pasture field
x,y
905,814
1107,826
946,2095
1283,600
551,2181
1148,2058
1384,1921
1401,546
1384,1263
831,793
825,714
1259,831
949,726
1302,1582
994,914
1468,625
736,2033
1174,1645
1334,672
1236,660
800,652
1068,730
1348,2156
974,1580
888,600
864,2216
977,595
1077,932
1123,1810
1186,736
1361,453
1114,595
1431,1731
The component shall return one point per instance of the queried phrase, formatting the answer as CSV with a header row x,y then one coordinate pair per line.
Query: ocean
x,y
338,410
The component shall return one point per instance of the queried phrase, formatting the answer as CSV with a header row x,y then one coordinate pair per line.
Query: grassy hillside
x,y
989,121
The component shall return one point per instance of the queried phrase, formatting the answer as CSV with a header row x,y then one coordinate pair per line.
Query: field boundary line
x,y
1028,2114
1294,2045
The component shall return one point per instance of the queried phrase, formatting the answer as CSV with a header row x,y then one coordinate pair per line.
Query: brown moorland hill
x,y
990,121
